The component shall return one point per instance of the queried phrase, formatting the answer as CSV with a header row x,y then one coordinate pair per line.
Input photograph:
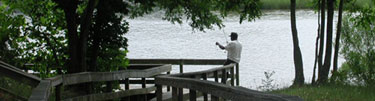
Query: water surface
x,y
267,44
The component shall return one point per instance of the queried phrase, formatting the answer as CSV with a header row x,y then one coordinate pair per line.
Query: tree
x,y
68,24
298,64
199,12
338,34
321,43
324,71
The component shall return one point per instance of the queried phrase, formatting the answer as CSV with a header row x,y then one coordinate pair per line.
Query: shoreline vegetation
x,y
330,92
300,4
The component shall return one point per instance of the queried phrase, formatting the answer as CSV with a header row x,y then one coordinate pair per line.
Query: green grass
x,y
300,4
331,93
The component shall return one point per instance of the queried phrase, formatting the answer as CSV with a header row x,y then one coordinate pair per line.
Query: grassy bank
x,y
331,93
300,4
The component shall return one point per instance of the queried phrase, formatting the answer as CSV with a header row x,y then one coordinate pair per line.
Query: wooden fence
x,y
198,82
182,62
43,91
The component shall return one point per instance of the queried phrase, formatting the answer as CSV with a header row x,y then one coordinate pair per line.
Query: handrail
x,y
182,62
193,82
179,61
42,91
18,74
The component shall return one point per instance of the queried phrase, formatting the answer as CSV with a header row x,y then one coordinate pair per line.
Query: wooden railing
x,y
43,91
18,75
182,62
198,82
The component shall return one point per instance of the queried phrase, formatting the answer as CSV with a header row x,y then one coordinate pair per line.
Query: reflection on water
x,y
267,44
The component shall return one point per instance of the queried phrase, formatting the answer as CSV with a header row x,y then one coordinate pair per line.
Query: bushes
x,y
358,46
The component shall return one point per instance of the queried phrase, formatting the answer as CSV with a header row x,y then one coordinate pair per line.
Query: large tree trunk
x,y
70,7
321,43
85,26
298,64
338,34
323,77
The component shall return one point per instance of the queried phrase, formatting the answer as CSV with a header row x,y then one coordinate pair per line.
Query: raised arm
x,y
220,46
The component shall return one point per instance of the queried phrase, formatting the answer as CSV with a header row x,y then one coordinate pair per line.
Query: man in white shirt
x,y
234,49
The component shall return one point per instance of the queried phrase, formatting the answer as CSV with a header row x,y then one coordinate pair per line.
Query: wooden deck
x,y
208,85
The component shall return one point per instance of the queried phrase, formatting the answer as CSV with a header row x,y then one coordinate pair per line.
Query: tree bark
x,y
321,44
298,63
70,7
316,45
323,78
338,34
85,25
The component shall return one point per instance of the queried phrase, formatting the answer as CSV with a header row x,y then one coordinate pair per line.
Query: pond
x,y
267,44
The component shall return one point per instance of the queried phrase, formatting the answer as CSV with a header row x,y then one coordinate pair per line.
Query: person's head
x,y
233,36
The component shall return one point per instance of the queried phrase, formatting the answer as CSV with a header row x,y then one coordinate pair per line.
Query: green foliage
x,y
285,4
203,14
106,35
11,25
330,92
268,84
358,37
42,40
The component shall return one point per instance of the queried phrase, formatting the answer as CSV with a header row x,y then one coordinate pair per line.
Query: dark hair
x,y
234,35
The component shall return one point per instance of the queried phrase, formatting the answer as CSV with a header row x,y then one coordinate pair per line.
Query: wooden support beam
x,y
180,94
205,96
174,94
238,74
193,95
159,92
232,76
181,68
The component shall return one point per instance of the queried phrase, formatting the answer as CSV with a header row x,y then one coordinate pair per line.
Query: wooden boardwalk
x,y
152,77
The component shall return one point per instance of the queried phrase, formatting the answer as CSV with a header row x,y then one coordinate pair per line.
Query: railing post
x,y
58,87
224,76
127,88
232,76
216,76
159,92
214,98
193,93
205,98
174,94
127,84
168,87
144,86
181,67
180,94
238,74
58,92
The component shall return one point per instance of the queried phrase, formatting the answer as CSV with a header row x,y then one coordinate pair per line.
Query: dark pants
x,y
229,62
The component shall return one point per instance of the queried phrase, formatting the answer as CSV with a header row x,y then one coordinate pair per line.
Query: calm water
x,y
267,44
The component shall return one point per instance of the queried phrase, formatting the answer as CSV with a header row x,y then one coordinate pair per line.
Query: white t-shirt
x,y
234,49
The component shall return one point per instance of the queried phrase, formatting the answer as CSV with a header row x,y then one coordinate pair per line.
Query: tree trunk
x,y
338,34
321,45
316,45
328,54
85,25
298,64
70,7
